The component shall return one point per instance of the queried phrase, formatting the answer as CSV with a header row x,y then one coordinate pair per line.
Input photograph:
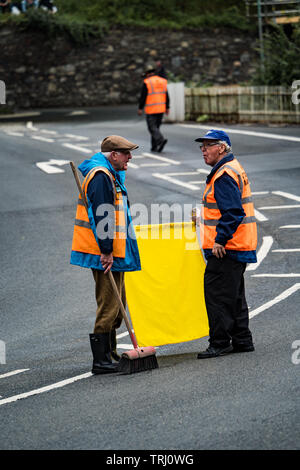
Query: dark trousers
x,y
226,304
153,123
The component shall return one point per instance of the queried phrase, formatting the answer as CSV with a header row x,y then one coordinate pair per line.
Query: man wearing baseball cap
x,y
229,239
104,240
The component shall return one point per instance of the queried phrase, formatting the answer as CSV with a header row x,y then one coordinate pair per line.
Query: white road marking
x,y
290,226
259,216
132,165
37,391
276,275
265,208
45,131
277,299
154,164
287,195
121,335
170,179
76,137
163,159
14,372
14,134
76,147
262,253
48,167
43,139
124,346
286,250
244,132
259,193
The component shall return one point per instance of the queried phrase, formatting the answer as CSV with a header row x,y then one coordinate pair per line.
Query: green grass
x,y
82,20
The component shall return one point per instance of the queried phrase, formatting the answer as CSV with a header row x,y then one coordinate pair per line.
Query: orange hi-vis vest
x,y
245,237
83,237
157,95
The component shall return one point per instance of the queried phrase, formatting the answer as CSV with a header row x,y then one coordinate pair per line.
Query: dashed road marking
x,y
14,372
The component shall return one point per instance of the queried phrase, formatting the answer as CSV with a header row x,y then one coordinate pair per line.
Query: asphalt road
x,y
240,401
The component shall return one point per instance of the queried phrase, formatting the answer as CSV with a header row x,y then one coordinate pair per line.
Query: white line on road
x,y
48,167
287,195
14,372
277,299
244,132
276,275
290,226
76,147
170,179
14,134
262,253
259,193
154,164
259,216
37,391
286,250
43,139
280,207
45,131
76,137
163,159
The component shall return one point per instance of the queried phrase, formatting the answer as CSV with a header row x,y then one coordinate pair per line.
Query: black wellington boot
x,y
101,349
113,345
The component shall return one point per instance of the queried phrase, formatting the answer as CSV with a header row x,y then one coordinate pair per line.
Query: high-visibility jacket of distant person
x,y
245,236
156,101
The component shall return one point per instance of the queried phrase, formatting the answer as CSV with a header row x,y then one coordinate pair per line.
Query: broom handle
x,y
110,275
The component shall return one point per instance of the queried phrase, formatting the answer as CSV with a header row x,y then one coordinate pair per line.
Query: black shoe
x,y
214,352
242,348
160,148
101,349
153,149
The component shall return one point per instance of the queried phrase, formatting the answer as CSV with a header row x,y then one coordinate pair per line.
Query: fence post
x,y
177,102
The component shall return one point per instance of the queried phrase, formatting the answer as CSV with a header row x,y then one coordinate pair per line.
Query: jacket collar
x,y
226,159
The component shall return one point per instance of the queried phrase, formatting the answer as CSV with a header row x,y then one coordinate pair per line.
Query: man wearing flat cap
x,y
104,240
154,99
229,238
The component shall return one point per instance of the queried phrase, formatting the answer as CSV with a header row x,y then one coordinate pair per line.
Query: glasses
x,y
204,146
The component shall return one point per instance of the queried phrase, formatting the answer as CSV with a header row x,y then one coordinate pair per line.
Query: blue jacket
x,y
228,197
100,191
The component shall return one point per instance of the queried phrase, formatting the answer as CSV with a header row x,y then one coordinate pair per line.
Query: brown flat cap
x,y
116,142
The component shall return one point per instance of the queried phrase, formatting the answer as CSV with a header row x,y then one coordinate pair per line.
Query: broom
x,y
137,359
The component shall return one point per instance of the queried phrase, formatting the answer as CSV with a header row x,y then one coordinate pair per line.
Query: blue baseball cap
x,y
213,134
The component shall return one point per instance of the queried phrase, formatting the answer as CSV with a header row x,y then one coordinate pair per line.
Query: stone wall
x,y
42,72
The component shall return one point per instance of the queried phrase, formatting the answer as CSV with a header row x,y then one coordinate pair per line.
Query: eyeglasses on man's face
x,y
204,146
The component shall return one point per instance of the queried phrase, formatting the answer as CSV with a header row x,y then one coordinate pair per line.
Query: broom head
x,y
138,360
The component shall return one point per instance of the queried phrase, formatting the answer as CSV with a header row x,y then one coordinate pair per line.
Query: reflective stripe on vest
x,y
157,95
83,238
245,237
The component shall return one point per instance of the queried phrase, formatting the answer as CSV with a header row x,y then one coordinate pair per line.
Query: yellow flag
x,y
166,298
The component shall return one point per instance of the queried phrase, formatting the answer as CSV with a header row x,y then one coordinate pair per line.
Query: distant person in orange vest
x,y
229,239
154,99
